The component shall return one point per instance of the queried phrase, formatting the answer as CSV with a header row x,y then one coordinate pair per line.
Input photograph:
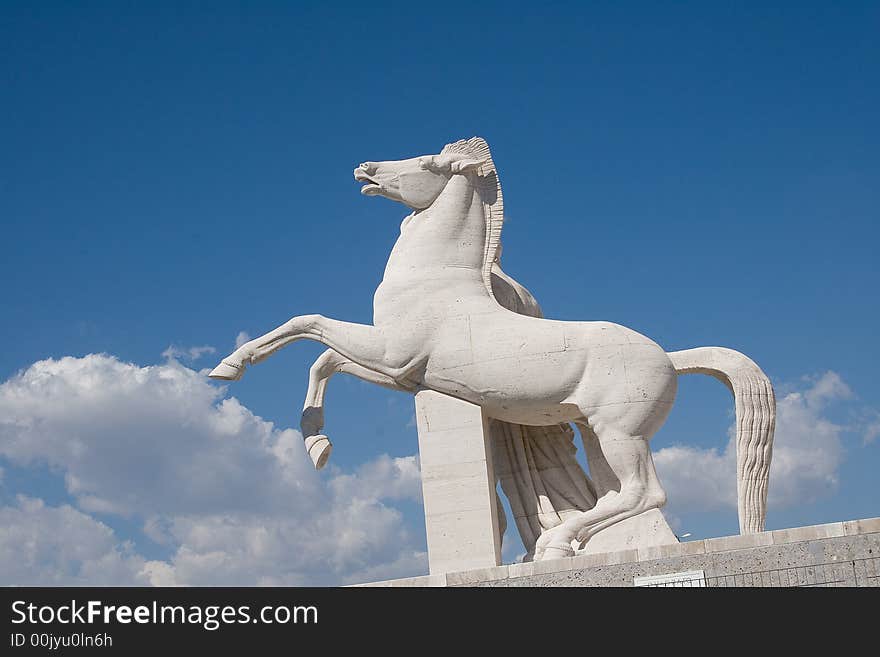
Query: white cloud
x,y
241,338
824,389
807,453
59,546
697,479
383,478
230,498
234,498
190,354
869,426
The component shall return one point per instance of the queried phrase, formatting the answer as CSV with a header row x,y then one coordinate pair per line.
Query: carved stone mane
x,y
489,188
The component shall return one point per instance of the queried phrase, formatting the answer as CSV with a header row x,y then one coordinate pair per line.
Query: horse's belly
x,y
535,371
510,381
518,371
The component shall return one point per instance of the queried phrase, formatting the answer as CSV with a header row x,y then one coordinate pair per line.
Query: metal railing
x,y
854,572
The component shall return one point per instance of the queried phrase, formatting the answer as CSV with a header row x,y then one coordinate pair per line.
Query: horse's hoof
x,y
556,552
227,372
319,448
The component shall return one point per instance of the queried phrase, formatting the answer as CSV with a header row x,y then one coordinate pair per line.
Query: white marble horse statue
x,y
535,465
437,325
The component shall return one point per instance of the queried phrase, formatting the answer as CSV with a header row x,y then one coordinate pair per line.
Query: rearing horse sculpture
x,y
536,466
437,325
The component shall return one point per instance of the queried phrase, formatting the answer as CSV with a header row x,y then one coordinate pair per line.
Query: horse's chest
x,y
416,245
392,299
404,302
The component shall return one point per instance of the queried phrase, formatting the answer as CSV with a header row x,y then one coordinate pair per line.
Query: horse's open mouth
x,y
372,188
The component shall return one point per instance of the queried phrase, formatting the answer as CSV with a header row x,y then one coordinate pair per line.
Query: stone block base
x,y
648,529
836,554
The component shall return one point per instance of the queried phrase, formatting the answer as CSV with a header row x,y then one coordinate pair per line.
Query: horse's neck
x,y
443,239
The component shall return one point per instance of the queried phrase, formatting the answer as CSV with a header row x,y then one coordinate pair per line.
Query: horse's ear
x,y
466,165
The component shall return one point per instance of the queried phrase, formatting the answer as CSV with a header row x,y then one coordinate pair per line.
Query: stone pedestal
x,y
648,529
458,484
836,554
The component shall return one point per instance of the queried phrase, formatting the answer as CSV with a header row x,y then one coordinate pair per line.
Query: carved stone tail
x,y
755,423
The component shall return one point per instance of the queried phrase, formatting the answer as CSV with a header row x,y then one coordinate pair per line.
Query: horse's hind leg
x,y
601,474
631,482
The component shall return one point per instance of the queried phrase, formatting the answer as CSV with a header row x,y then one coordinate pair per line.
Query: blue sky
x,y
172,174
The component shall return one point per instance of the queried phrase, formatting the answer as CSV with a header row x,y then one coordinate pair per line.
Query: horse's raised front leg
x,y
328,364
362,344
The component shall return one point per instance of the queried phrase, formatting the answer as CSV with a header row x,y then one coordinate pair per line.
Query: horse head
x,y
417,181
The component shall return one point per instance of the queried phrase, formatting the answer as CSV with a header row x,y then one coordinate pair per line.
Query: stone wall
x,y
836,554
